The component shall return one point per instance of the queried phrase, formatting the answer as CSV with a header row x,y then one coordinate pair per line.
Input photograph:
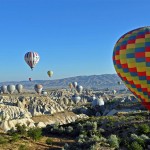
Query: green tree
x,y
135,146
144,128
35,133
21,129
113,141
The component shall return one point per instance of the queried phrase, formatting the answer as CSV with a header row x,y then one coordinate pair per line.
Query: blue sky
x,y
72,37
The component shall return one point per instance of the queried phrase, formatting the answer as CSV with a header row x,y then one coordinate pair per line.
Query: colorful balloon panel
x,y
131,58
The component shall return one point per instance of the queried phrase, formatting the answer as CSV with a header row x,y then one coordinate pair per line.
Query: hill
x,y
93,81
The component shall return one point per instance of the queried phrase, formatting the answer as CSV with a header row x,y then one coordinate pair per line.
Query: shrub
x,y
11,131
21,129
113,141
94,147
3,140
23,147
135,146
35,133
15,137
66,146
49,141
144,137
69,129
144,128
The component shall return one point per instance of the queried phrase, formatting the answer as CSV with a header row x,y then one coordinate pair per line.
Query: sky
x,y
72,37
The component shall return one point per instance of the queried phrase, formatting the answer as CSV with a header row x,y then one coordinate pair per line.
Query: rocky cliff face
x,y
32,111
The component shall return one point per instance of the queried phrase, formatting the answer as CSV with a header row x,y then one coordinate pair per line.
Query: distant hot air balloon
x,y
74,84
76,98
30,79
38,88
50,73
19,88
114,92
4,89
119,83
11,89
98,102
131,58
79,88
70,85
44,93
93,98
32,58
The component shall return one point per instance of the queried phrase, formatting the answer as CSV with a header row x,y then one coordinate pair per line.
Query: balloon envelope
x,y
76,98
131,58
44,93
32,58
19,88
38,88
119,83
4,89
70,85
98,102
74,84
79,88
50,73
11,88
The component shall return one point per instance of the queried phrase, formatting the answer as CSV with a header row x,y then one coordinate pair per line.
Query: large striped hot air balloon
x,y
32,58
131,58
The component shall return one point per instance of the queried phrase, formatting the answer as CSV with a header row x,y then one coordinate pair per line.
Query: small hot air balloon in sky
x,y
11,89
19,88
32,58
38,88
131,58
50,73
30,79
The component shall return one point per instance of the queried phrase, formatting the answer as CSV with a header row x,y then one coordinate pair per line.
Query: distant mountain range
x,y
93,81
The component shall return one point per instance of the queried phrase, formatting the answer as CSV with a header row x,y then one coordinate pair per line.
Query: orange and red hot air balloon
x,y
131,58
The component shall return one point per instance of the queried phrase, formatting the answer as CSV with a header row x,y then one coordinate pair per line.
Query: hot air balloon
x,y
119,83
11,89
131,58
19,88
74,84
76,98
93,98
50,73
70,85
4,89
79,88
98,102
32,58
30,79
44,93
38,88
